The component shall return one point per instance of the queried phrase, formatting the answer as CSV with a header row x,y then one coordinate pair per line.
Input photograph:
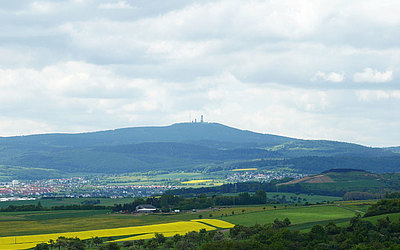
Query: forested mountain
x,y
183,145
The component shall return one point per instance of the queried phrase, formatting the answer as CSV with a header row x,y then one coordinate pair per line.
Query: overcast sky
x,y
305,69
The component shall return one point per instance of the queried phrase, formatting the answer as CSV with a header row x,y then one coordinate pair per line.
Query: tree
x,y
127,244
286,221
61,242
42,246
96,240
110,246
160,238
52,243
176,238
317,232
75,244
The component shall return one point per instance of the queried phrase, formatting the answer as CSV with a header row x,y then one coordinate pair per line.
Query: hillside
x,y
334,182
182,145
180,132
347,180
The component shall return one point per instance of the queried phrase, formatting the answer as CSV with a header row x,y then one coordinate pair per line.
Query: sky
x,y
304,69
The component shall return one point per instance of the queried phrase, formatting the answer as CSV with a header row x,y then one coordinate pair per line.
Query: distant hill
x,y
350,183
342,181
182,145
202,133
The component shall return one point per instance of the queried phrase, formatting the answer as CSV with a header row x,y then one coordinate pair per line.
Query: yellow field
x,y
195,181
216,223
245,169
141,232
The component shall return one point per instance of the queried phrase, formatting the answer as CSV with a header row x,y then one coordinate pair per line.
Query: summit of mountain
x,y
184,145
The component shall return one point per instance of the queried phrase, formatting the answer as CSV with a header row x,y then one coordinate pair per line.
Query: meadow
x,y
52,202
297,215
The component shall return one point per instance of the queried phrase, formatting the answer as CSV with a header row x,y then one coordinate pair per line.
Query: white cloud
x,y
329,77
372,75
377,95
118,5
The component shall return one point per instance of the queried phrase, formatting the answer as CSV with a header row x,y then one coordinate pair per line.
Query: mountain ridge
x,y
181,145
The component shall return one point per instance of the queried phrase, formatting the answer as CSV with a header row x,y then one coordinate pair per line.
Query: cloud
x,y
372,75
117,5
86,65
377,95
328,77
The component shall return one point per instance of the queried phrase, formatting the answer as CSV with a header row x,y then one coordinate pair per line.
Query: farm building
x,y
145,208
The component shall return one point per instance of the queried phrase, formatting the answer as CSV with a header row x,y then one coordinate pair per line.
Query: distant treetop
x,y
343,170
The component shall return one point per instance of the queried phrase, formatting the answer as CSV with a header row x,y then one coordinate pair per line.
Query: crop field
x,y
130,233
66,201
244,169
176,178
143,226
195,181
61,221
297,215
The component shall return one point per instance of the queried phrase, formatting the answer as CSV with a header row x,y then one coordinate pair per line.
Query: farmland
x,y
67,201
42,222
126,233
30,228
297,215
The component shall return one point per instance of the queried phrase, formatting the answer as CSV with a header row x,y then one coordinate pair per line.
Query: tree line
x,y
39,207
385,206
169,201
272,186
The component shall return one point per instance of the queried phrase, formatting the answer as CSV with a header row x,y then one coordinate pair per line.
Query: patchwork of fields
x,y
297,215
126,233
31,228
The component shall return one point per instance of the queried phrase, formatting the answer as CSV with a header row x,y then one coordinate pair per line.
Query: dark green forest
x,y
180,146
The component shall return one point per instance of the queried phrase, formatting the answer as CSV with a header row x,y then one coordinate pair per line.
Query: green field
x,y
66,201
39,222
302,218
175,178
297,215
304,197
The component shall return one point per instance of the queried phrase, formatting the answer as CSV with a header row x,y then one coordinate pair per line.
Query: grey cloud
x,y
71,66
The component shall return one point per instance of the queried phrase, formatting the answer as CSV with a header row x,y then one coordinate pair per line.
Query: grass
x,y
66,201
304,197
297,215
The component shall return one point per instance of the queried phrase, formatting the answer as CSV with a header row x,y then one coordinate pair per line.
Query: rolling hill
x,y
182,145
341,181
